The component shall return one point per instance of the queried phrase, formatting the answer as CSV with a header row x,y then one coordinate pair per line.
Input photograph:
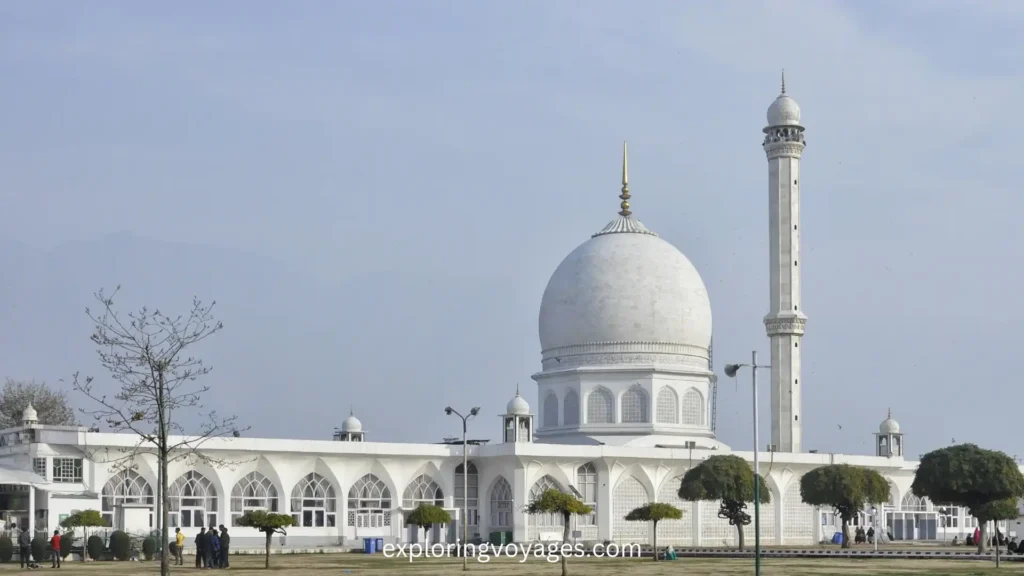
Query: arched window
x,y
369,503
571,409
600,407
192,501
550,410
693,408
668,406
422,490
586,483
539,488
253,492
313,502
126,487
912,503
501,506
635,406
472,483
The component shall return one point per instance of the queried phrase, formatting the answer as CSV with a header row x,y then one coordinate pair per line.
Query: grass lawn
x,y
356,564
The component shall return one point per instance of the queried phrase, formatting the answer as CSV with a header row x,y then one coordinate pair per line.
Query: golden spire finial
x,y
890,413
517,388
783,80
625,184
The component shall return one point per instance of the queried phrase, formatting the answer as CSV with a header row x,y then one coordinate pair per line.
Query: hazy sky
x,y
377,192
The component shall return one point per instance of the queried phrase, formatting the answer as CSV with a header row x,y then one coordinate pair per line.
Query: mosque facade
x,y
625,390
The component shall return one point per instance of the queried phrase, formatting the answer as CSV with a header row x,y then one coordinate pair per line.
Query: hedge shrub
x,y
39,548
148,547
121,545
95,546
6,549
66,541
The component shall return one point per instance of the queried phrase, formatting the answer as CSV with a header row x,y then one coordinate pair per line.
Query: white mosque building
x,y
624,390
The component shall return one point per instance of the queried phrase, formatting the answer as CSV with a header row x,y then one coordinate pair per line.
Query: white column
x,y
31,509
521,499
785,320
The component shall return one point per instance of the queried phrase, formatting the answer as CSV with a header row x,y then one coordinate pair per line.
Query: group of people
x,y
212,549
25,549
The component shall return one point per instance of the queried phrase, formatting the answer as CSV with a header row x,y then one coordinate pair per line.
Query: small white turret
x,y
517,422
29,416
351,430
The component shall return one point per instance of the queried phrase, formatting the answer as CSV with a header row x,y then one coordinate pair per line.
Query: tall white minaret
x,y
784,144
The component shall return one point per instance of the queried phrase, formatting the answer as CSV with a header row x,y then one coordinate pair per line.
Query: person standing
x,y
179,545
55,549
25,547
225,545
212,546
200,547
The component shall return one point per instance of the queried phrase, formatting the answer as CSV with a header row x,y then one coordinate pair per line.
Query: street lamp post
x,y
730,371
874,522
465,480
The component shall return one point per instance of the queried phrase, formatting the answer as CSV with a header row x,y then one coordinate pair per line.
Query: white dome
x,y
625,284
784,112
889,426
29,414
351,424
518,406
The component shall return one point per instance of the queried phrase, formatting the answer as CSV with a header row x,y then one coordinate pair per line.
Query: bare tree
x,y
51,406
145,354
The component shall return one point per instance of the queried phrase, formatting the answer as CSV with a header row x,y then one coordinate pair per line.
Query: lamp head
x,y
731,369
474,411
448,410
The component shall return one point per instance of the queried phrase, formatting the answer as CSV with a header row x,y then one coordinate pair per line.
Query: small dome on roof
x,y
29,414
517,405
351,424
889,426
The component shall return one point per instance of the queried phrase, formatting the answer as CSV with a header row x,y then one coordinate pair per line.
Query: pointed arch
x,y
797,517
192,501
636,406
369,503
693,408
629,493
254,491
314,503
600,406
550,410
675,531
471,482
586,484
501,505
668,406
571,409
125,487
911,503
542,485
422,490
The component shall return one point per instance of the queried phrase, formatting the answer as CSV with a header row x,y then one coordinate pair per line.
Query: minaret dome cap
x,y
784,111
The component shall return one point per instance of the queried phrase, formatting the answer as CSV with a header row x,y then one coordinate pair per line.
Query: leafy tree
x,y
566,505
996,511
846,489
655,512
51,406
269,523
426,515
83,519
727,479
966,475
146,354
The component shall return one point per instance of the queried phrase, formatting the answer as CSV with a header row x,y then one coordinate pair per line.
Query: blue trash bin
x,y
379,545
368,545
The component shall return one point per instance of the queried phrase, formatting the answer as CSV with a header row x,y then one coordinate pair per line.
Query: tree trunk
x,y
846,537
165,567
984,536
266,564
655,540
565,540
739,530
